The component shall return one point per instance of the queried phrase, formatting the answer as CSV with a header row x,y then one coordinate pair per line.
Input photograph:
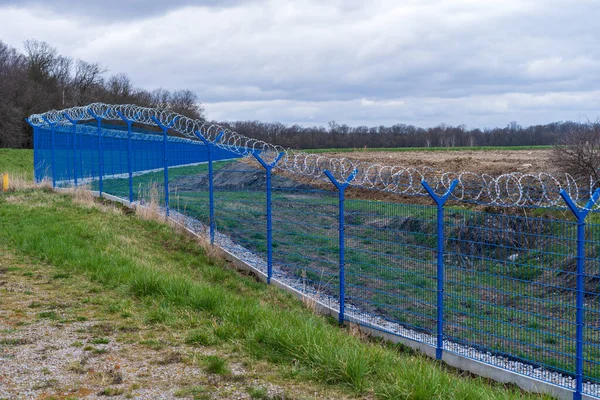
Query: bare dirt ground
x,y
493,162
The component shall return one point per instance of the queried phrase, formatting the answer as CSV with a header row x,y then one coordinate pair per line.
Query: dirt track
x,y
493,162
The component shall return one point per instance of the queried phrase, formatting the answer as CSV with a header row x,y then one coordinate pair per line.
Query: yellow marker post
x,y
5,182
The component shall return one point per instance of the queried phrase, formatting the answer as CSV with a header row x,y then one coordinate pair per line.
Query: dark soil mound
x,y
405,224
499,236
237,176
591,278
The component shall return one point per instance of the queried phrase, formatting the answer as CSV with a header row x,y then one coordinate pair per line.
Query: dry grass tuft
x,y
311,302
354,330
211,251
20,182
149,207
82,195
45,184
202,238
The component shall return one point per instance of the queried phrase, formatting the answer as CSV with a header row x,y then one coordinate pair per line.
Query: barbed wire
x,y
510,189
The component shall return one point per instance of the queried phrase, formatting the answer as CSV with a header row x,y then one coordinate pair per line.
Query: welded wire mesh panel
x,y
115,155
43,154
591,286
189,191
240,209
87,153
390,265
147,165
63,158
509,289
188,182
143,153
305,237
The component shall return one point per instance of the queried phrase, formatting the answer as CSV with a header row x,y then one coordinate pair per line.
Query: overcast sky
x,y
424,62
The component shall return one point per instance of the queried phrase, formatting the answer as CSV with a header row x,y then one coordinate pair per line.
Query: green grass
x,y
216,365
409,149
18,162
258,393
179,285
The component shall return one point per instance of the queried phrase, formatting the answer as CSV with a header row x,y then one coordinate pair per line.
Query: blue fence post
x,y
211,193
36,149
268,168
440,201
341,186
98,119
74,122
129,122
52,156
580,215
165,129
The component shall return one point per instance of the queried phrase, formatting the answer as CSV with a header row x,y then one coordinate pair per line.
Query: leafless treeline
x,y
401,135
41,79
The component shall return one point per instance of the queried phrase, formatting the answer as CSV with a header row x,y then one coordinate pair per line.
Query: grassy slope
x,y
17,161
97,340
409,149
181,288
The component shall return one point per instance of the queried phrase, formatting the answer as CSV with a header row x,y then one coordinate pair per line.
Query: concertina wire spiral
x,y
509,189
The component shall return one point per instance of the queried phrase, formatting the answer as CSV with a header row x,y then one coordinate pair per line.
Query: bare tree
x,y
120,89
577,151
142,97
88,76
161,98
185,102
41,58
41,79
13,87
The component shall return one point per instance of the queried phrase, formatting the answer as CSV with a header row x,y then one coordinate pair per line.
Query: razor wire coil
x,y
509,189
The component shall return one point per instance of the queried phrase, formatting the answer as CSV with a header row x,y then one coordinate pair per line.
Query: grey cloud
x,y
115,9
455,61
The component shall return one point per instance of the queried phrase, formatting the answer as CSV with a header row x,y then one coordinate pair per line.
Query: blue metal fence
x,y
515,287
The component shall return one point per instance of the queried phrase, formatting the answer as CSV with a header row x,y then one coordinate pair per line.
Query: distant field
x,y
417,149
17,161
482,160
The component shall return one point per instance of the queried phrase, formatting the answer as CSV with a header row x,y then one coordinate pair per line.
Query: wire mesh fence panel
x,y
87,154
305,238
63,158
390,265
190,190
240,208
591,287
507,289
189,185
43,154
